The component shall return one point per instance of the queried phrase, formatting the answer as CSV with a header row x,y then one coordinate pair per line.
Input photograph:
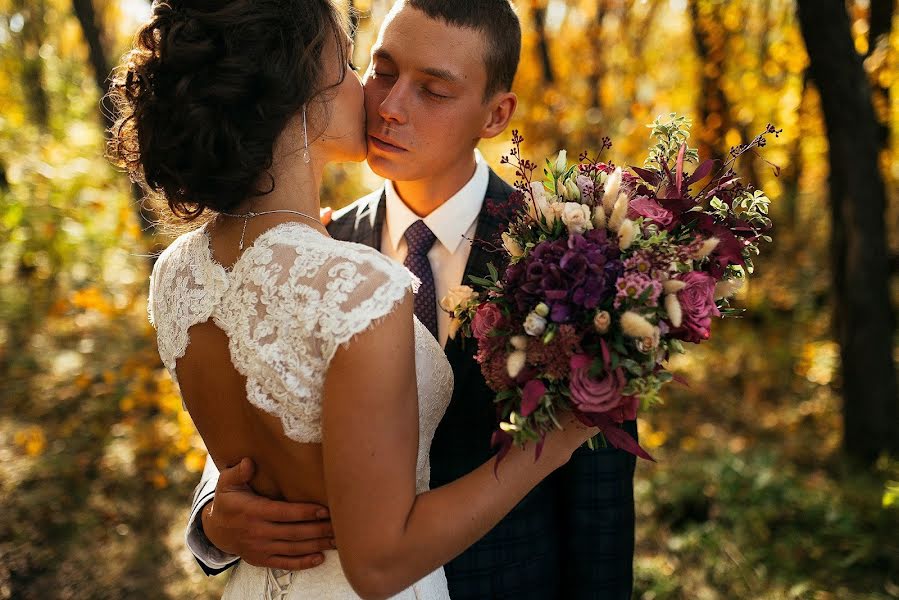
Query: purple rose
x,y
487,318
697,301
646,207
595,395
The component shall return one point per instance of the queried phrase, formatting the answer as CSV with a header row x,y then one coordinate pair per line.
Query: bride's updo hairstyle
x,y
207,89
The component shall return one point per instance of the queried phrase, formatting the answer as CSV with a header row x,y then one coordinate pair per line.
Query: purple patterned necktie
x,y
420,239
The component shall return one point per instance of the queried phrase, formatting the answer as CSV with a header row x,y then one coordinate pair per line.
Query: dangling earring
x,y
306,157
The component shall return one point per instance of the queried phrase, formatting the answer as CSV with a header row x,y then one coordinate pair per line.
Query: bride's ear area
x,y
502,108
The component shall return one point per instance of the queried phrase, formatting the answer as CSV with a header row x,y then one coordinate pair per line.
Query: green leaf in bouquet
x,y
481,281
494,274
505,395
676,346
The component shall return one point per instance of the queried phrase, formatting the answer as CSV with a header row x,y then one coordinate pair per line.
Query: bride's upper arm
x,y
370,438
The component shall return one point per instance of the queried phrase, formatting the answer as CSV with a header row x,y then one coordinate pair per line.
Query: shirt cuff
x,y
199,544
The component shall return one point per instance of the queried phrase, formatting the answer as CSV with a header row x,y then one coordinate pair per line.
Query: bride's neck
x,y
295,185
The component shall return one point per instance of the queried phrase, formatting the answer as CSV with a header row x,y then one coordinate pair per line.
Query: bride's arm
x,y
389,537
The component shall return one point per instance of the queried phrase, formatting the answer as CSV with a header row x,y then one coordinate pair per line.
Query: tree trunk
x,y
714,109
30,40
538,12
862,312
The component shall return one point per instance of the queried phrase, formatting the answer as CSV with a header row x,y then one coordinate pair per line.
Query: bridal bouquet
x,y
606,272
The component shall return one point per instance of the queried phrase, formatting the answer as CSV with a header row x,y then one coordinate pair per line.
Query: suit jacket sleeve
x,y
212,560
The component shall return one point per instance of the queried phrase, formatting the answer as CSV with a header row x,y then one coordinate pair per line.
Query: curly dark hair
x,y
208,88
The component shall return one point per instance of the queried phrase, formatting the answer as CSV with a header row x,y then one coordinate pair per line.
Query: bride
x,y
290,347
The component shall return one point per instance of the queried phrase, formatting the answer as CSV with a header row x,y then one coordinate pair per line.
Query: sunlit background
x,y
755,494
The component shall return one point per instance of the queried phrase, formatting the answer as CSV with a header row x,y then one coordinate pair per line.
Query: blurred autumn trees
x,y
863,316
753,447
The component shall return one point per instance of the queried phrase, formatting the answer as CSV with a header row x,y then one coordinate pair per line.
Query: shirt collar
x,y
451,220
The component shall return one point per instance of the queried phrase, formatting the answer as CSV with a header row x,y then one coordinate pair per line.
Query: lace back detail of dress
x,y
288,303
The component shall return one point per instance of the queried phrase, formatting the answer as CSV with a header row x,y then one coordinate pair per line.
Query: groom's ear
x,y
502,108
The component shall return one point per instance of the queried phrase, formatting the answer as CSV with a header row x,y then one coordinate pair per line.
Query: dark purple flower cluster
x,y
570,275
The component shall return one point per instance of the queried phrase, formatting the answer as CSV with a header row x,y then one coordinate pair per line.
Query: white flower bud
x,y
561,162
602,321
534,325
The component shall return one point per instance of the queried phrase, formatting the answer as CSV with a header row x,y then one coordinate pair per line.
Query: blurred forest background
x,y
778,474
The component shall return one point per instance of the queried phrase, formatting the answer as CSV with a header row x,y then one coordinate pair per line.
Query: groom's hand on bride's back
x,y
263,532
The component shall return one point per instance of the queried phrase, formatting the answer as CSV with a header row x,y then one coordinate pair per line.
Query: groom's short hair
x,y
496,21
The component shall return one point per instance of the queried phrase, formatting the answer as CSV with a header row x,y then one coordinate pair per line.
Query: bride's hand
x,y
572,436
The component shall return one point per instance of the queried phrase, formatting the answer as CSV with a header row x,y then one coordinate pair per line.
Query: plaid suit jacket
x,y
572,537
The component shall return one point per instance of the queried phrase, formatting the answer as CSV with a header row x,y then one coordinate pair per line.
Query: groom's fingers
x,y
290,512
300,549
295,532
290,563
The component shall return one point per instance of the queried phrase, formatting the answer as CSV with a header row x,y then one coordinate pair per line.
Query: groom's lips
x,y
385,144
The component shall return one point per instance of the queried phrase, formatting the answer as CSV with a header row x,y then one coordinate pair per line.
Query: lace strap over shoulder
x,y
185,288
364,287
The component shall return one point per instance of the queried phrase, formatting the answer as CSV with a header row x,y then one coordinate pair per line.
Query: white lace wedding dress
x,y
287,304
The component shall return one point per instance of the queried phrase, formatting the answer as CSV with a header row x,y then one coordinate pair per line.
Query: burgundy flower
x,y
595,395
531,395
569,274
487,318
697,301
651,210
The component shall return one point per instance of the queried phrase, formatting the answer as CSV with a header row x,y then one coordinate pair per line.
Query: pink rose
x,y
487,318
645,206
697,301
595,395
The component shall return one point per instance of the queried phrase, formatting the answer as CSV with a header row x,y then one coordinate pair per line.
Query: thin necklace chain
x,y
247,216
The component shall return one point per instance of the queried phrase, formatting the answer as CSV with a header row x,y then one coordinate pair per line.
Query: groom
x,y
439,81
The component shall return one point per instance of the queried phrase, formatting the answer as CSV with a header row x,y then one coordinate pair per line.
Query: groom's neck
x,y
424,196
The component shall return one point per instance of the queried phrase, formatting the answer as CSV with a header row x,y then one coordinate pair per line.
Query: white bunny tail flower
x,y
626,234
599,218
727,288
619,213
673,286
636,326
613,184
707,247
673,308
519,342
515,363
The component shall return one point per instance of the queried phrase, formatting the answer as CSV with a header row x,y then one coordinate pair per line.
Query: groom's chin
x,y
386,167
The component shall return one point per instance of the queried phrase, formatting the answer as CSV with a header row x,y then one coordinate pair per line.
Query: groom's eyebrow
x,y
444,74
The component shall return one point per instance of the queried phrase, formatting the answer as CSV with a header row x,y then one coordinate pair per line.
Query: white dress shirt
x,y
454,223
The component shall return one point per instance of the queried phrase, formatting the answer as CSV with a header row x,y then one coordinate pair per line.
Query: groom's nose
x,y
393,107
